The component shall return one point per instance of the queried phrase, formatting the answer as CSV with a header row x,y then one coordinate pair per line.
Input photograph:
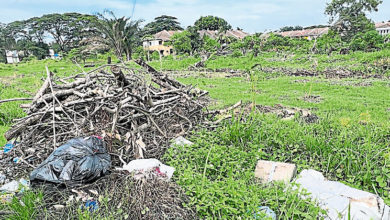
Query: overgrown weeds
x,y
218,171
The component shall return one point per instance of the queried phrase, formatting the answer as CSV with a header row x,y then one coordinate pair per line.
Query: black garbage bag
x,y
80,160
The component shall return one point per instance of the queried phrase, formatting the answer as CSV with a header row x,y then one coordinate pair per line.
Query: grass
x,y
368,63
350,143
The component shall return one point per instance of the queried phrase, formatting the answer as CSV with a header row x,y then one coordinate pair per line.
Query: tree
x,y
66,29
212,23
329,42
2,42
121,34
163,22
182,42
349,16
20,35
210,45
291,28
196,41
368,41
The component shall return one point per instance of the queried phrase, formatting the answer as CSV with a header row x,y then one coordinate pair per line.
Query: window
x,y
160,42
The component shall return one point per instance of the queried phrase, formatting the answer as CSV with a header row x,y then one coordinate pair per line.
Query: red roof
x,y
382,24
315,32
165,35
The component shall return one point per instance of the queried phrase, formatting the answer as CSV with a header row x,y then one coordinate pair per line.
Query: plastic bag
x,y
142,167
80,160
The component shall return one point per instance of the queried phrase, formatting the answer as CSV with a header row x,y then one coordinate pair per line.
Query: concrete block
x,y
268,171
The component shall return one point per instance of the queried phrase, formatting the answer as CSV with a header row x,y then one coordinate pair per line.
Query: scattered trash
x,y
336,197
269,171
91,205
267,211
132,112
16,160
143,167
80,160
15,186
8,147
181,141
81,195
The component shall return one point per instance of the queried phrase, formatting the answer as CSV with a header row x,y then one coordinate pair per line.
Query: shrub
x,y
368,41
236,53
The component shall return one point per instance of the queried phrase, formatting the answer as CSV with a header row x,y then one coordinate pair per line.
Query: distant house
x,y
383,28
157,43
238,34
12,56
308,34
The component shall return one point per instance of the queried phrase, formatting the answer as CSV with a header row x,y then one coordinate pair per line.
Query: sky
x,y
250,15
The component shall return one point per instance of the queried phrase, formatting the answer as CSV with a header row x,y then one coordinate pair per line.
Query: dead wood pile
x,y
136,112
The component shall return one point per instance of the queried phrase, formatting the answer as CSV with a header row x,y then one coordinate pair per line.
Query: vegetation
x,y
163,22
349,16
121,34
348,143
291,28
212,23
182,42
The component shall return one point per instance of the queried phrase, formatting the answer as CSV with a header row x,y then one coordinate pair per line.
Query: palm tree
x,y
121,34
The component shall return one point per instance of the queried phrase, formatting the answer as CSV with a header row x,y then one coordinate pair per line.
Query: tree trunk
x,y
128,54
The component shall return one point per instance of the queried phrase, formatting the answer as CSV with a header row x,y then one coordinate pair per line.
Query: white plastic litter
x,y
336,197
181,141
13,186
142,167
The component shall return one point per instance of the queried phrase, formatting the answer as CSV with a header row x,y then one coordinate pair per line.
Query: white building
x,y
383,28
12,56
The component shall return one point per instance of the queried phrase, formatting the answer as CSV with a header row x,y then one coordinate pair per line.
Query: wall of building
x,y
383,31
158,45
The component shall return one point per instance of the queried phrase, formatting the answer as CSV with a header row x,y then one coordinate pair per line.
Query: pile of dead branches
x,y
136,112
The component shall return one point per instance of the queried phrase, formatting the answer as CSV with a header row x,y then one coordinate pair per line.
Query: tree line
x,y
80,35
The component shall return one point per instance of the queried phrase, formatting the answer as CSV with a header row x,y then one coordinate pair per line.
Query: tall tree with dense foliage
x,y
196,41
212,23
182,42
123,35
66,29
349,17
163,22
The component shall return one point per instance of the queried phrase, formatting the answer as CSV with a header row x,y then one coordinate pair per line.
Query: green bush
x,y
155,55
368,41
236,53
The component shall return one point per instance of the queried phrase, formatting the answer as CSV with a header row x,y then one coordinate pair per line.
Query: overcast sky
x,y
251,15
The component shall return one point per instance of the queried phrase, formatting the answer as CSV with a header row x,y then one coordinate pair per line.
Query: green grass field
x,y
350,142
